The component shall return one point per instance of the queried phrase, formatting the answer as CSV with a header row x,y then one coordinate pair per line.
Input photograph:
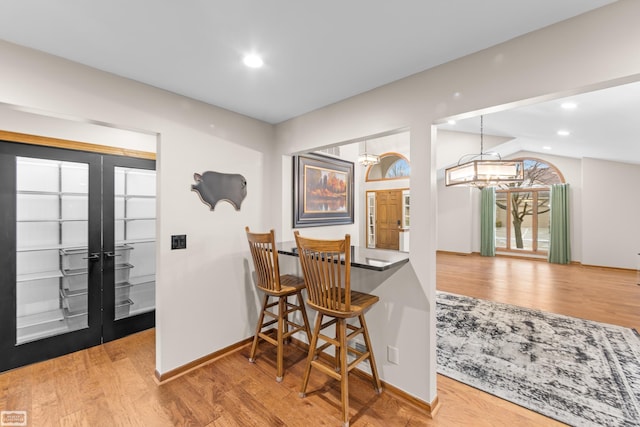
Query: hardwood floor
x,y
606,295
113,384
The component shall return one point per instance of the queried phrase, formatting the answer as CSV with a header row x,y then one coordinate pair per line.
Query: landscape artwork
x,y
323,191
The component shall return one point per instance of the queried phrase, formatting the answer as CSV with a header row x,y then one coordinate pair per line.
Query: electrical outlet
x,y
393,355
179,241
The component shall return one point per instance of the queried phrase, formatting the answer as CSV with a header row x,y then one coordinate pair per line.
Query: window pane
x,y
543,221
523,225
538,173
135,229
398,168
501,220
52,207
522,220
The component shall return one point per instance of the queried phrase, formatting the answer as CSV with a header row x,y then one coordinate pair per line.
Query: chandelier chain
x,y
481,136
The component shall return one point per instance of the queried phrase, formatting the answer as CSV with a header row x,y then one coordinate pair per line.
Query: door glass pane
x,y
51,247
371,219
521,210
501,220
543,221
135,227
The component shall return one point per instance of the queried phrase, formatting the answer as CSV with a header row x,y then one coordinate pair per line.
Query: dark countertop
x,y
372,259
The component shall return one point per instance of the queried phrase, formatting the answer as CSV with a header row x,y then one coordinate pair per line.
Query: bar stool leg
x,y
256,337
311,355
374,369
344,372
282,306
337,348
305,318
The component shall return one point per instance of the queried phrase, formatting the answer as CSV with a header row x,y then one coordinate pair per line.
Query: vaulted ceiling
x,y
315,52
318,53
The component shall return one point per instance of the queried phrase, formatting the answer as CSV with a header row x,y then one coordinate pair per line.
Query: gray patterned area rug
x,y
576,371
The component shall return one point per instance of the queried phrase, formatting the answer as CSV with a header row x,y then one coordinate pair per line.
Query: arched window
x,y
522,210
391,166
539,173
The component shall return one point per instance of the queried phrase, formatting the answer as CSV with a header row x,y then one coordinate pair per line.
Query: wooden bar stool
x,y
272,284
326,265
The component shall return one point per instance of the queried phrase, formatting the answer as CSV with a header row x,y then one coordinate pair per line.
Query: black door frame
x,y
12,355
101,277
114,329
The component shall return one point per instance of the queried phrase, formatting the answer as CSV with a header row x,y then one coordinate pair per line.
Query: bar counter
x,y
371,259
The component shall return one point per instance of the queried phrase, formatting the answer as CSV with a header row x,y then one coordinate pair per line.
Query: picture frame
x,y
323,192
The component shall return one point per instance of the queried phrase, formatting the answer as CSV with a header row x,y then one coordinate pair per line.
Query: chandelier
x,y
484,169
366,159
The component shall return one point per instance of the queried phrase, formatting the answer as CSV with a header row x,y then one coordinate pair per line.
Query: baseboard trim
x,y
455,253
604,267
181,370
532,258
429,408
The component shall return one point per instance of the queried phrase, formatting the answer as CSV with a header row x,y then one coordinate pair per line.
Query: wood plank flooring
x,y
113,384
606,295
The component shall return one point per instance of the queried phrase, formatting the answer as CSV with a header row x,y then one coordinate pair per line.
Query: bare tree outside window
x,y
391,166
399,168
525,207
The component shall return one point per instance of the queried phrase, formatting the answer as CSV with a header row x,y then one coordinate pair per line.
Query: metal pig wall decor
x,y
213,187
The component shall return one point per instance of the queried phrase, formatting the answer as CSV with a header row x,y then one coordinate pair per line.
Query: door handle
x,y
94,256
111,254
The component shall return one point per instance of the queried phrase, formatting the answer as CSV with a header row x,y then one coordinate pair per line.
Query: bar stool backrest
x,y
265,259
326,266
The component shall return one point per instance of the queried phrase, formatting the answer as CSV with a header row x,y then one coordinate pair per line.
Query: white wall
x,y
208,284
455,218
555,61
205,296
610,206
16,119
458,207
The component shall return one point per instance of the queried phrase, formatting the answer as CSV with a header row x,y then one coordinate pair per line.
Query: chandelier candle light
x,y
366,159
474,170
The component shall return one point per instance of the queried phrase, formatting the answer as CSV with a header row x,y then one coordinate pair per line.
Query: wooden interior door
x,y
388,219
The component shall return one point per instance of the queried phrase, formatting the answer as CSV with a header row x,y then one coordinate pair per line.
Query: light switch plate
x,y
179,241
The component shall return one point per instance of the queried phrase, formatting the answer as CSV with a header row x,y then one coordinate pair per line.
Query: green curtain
x,y
488,222
559,243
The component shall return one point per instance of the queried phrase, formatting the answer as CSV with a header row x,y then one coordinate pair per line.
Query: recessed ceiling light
x,y
451,122
252,60
569,105
546,147
564,133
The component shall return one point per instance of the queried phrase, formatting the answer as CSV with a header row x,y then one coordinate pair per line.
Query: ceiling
x,y
318,53
315,52
604,125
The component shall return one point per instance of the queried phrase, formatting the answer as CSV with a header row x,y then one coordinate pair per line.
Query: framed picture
x,y
322,191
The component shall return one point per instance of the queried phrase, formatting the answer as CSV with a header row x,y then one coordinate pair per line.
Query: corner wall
x,y
208,284
565,58
205,294
610,205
